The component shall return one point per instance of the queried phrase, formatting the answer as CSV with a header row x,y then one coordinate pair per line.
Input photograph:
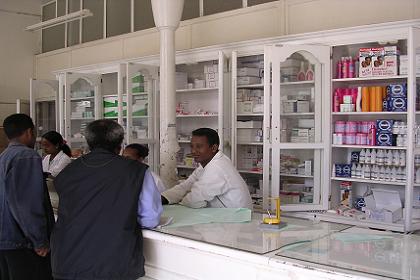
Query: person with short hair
x,y
58,153
105,200
140,152
215,183
26,216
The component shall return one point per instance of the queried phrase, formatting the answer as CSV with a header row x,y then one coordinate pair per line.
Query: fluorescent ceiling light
x,y
59,20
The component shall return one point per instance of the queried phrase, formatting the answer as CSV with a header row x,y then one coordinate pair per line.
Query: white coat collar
x,y
218,155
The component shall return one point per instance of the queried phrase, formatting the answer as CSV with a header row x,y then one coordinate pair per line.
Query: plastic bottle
x,y
365,99
373,156
339,69
362,156
378,99
333,170
359,171
394,174
345,67
388,173
396,158
336,101
301,74
359,100
372,99
380,157
351,67
373,172
389,158
356,68
353,170
382,172
418,176
403,174
402,158
309,73
366,172
367,156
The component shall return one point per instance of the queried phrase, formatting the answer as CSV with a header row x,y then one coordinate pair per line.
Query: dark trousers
x,y
24,264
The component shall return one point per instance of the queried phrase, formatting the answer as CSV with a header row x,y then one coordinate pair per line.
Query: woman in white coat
x,y
58,153
215,183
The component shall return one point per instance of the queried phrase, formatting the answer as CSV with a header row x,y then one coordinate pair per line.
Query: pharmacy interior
x,y
327,121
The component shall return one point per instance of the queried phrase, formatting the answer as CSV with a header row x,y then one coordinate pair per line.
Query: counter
x,y
303,250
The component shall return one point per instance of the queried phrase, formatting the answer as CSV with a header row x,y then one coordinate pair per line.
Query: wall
x,y
17,49
278,18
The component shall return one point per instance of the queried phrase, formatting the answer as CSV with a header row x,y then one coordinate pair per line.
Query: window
x,y
93,26
143,15
256,2
53,37
73,27
218,6
118,17
191,9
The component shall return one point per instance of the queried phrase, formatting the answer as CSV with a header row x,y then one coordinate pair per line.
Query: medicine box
x,y
248,80
248,71
384,138
249,124
384,125
306,123
385,61
245,107
397,104
289,106
404,64
365,62
302,106
181,80
342,170
396,90
384,206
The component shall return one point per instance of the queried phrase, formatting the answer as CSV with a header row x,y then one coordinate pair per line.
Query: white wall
x,y
17,50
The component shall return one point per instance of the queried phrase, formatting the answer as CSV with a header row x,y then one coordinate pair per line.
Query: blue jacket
x,y
26,216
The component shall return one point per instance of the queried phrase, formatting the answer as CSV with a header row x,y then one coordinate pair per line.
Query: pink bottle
x,y
339,70
345,67
372,136
336,101
351,67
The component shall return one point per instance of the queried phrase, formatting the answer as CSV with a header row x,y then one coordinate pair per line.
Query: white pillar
x,y
167,15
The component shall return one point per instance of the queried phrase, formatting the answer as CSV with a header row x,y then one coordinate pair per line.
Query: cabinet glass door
x,y
82,99
299,90
140,109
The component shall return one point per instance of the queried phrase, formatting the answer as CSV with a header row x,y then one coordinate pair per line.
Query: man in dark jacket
x,y
26,216
105,199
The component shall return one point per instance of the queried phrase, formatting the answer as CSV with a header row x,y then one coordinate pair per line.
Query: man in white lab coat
x,y
215,183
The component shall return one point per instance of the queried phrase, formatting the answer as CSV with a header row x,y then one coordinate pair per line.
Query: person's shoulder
x,y
26,152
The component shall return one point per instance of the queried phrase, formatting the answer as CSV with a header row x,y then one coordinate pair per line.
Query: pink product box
x,y
381,61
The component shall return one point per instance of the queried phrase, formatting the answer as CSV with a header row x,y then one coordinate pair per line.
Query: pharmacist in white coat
x,y
215,183
58,153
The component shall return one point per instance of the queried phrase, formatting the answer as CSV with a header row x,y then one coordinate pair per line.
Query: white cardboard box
x,y
384,206
248,71
249,124
248,80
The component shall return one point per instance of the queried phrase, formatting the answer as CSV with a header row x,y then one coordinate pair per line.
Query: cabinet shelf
x,y
82,98
297,83
296,175
251,143
196,116
184,141
362,79
82,119
369,147
192,90
368,113
250,172
359,180
297,114
251,115
251,86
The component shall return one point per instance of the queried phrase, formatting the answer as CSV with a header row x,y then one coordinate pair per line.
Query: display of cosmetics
x,y
392,98
347,67
370,133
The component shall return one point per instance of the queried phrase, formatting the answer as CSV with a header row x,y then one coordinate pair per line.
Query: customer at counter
x,y
58,153
215,183
140,152
26,217
105,199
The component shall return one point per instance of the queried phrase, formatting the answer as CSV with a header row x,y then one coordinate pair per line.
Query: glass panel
x,y
44,117
256,2
249,124
218,6
61,8
367,251
416,199
118,17
82,108
298,100
141,107
53,37
191,9
299,176
93,26
73,27
143,15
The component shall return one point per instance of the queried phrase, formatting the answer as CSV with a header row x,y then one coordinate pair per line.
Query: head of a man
x,y
20,128
136,152
204,145
105,134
